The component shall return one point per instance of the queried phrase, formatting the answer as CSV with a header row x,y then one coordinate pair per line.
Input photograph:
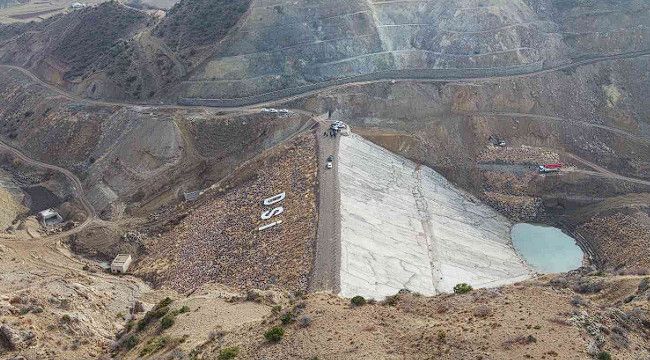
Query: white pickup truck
x,y
330,160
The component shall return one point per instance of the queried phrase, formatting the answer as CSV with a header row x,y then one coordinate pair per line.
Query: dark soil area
x,y
39,198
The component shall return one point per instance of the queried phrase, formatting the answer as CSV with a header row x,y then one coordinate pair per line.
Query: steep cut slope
x,y
312,42
599,27
241,52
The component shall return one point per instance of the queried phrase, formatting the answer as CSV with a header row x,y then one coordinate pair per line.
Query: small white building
x,y
49,217
121,263
77,5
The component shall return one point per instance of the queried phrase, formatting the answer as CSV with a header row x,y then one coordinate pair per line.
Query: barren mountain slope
x,y
561,317
54,306
65,47
132,159
307,45
240,49
217,239
89,118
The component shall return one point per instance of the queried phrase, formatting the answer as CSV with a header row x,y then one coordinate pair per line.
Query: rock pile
x,y
219,241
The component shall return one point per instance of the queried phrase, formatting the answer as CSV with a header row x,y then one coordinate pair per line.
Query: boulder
x,y
12,339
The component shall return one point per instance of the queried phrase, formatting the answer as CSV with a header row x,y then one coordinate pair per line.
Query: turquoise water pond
x,y
546,249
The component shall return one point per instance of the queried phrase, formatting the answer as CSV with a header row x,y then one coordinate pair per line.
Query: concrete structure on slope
x,y
49,217
121,263
404,226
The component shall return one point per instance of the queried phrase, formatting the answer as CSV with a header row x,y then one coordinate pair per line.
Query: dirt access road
x,y
76,183
325,275
299,92
601,171
251,102
598,171
47,253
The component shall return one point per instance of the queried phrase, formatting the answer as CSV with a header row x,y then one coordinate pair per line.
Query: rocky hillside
x,y
130,157
306,45
561,317
264,50
65,47
216,239
192,23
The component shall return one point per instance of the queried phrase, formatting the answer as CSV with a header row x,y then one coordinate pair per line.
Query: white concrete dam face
x,y
407,227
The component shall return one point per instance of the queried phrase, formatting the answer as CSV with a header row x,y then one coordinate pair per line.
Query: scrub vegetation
x,y
462,288
200,22
97,29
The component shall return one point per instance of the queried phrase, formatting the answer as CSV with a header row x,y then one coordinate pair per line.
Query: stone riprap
x,y
404,226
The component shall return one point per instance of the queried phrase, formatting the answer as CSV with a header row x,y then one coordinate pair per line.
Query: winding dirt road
x,y
76,183
325,275
251,102
280,96
562,120
601,171
48,252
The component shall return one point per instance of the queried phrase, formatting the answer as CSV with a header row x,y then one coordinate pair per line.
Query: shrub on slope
x,y
200,22
93,33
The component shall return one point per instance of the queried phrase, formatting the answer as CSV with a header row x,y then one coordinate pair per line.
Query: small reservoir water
x,y
546,249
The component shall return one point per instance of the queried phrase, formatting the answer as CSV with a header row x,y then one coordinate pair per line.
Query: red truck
x,y
548,168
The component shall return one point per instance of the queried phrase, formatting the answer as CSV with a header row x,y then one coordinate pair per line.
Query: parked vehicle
x,y
496,141
549,168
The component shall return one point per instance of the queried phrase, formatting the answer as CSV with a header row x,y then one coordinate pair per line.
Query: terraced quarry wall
x,y
403,226
247,52
315,41
283,48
